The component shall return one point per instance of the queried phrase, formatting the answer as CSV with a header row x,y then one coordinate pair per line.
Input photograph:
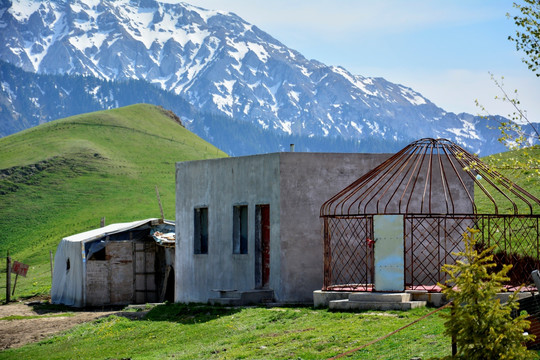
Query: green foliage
x,y
527,36
482,327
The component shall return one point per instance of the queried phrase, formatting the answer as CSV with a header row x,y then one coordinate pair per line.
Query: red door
x,y
262,246
265,244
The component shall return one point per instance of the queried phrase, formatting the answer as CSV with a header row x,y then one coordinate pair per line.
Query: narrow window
x,y
240,229
201,231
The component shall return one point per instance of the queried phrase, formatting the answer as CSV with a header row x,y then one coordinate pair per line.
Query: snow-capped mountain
x,y
221,64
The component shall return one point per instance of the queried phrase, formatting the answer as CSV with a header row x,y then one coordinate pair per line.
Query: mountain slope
x,y
60,178
222,65
28,99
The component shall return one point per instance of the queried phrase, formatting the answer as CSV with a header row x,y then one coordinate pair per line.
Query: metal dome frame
x,y
432,183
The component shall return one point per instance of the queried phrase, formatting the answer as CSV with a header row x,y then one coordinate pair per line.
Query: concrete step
x,y
228,293
374,305
380,297
230,301
241,298
257,296
433,299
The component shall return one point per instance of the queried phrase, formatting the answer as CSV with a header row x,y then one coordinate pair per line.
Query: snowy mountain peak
x,y
221,64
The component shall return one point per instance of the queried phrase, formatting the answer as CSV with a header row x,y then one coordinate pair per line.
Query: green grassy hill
x,y
527,179
62,177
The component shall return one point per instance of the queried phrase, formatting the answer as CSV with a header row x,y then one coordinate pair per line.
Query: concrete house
x,y
252,223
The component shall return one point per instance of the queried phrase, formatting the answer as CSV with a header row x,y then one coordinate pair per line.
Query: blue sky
x,y
442,49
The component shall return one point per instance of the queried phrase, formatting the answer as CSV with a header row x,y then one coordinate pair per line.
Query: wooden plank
x,y
97,283
121,271
144,268
164,286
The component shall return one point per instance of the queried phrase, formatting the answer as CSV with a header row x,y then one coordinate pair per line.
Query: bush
x,y
482,327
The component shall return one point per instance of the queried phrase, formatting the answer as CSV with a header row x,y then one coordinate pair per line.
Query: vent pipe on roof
x,y
292,147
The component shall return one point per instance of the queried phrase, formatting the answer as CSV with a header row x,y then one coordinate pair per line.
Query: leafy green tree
x,y
480,325
527,36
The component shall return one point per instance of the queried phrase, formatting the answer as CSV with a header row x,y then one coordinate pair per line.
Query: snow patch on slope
x,y
412,96
357,81
467,131
22,10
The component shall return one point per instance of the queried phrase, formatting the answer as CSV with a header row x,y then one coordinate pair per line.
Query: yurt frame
x,y
432,184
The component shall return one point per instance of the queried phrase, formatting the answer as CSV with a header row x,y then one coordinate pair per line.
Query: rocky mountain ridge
x,y
223,65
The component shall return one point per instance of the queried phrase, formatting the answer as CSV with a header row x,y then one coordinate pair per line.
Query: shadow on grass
x,y
43,308
192,313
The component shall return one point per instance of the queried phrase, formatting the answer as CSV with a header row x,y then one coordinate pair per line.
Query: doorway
x,y
262,246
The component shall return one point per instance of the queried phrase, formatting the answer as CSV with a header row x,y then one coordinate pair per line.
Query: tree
x,y
527,37
480,325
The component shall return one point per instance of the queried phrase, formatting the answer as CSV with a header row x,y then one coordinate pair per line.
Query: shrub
x,y
482,327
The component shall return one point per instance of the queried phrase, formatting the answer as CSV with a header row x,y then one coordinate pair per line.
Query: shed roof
x,y
111,229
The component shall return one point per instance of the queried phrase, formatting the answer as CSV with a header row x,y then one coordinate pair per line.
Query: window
x,y
240,229
201,231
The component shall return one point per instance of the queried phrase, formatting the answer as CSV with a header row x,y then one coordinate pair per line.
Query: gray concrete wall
x,y
294,184
220,184
307,181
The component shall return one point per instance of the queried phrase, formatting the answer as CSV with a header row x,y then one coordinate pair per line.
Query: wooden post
x,y
159,202
15,284
164,286
102,222
8,279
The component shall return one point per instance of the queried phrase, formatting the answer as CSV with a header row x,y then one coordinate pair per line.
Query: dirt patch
x,y
49,321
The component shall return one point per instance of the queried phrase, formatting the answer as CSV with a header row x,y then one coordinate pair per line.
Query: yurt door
x,y
388,253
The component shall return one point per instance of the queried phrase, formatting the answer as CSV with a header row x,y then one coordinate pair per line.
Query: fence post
x,y
8,279
159,202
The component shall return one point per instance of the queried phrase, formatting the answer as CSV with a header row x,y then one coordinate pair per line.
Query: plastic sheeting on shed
x,y
69,275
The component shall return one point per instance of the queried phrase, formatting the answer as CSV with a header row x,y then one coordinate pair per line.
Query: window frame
x,y
200,230
240,236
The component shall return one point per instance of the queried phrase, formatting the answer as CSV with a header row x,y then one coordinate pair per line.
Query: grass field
x,y
62,177
202,332
525,179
